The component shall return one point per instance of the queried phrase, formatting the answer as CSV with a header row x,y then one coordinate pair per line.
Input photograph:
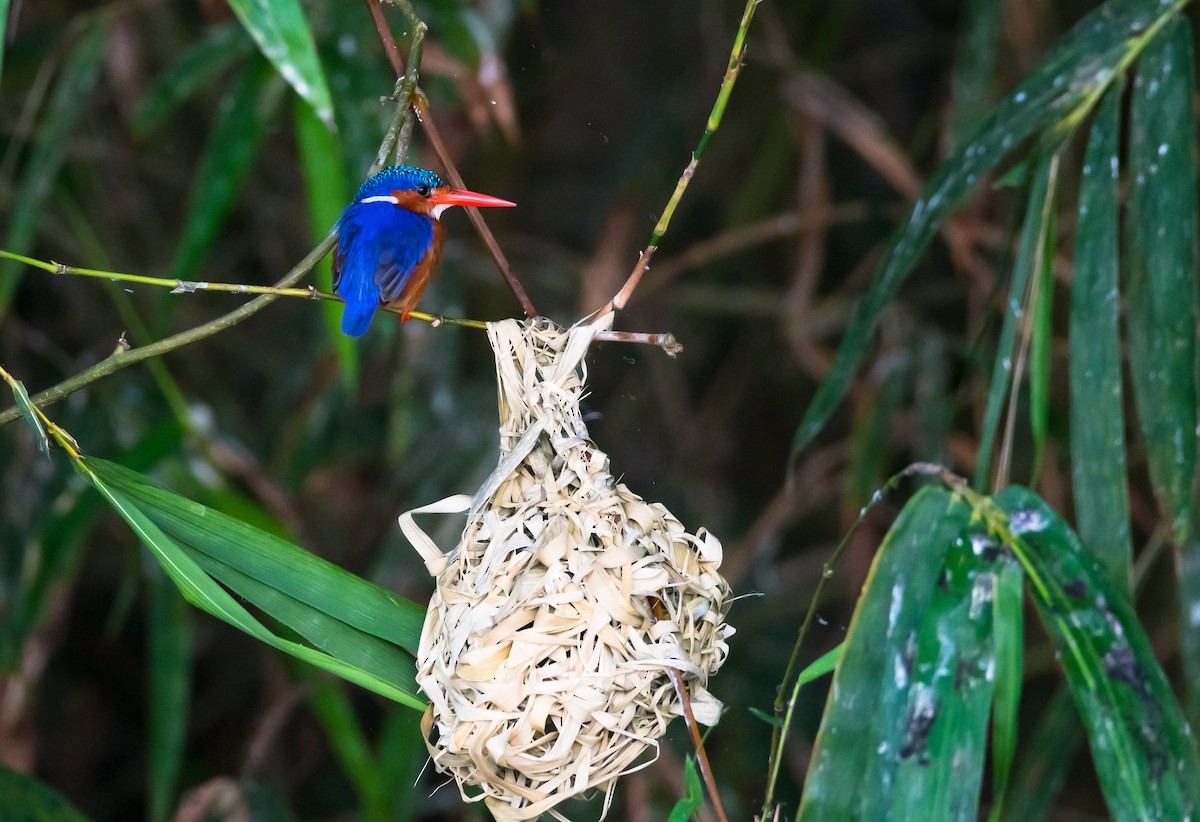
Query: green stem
x,y
732,70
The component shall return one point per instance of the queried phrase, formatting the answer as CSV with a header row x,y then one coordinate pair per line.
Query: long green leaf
x,y
1161,263
863,733
283,35
1161,294
1030,256
326,186
203,592
330,634
1045,760
55,129
25,405
1143,751
950,692
168,675
273,561
1048,103
203,61
1097,406
1008,620
246,110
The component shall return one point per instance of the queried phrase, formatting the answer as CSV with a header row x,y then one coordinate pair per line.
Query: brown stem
x,y
421,105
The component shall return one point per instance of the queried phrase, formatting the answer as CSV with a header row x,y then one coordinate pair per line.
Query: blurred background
x,y
151,138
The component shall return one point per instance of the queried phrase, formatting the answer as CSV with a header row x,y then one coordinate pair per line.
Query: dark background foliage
x,y
842,108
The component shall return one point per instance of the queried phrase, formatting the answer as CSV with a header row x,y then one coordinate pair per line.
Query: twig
x,y
435,139
732,70
122,357
659,612
410,91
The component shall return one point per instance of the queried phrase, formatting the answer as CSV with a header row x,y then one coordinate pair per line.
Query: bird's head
x,y
419,191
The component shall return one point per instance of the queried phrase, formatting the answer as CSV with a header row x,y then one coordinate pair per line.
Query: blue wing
x,y
379,245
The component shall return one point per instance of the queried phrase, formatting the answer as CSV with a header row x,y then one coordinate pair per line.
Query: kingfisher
x,y
389,240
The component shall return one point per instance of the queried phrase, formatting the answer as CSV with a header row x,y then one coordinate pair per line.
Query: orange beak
x,y
461,197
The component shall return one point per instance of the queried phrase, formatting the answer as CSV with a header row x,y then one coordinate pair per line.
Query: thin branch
x,y
409,91
421,104
732,70
123,357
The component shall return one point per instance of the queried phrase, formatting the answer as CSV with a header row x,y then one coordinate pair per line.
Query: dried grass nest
x,y
544,663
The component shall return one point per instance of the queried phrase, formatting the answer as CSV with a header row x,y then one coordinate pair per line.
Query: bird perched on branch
x,y
389,240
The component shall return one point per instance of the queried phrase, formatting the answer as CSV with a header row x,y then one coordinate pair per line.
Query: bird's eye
x,y
422,189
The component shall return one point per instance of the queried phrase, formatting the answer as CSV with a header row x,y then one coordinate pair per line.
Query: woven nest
x,y
547,645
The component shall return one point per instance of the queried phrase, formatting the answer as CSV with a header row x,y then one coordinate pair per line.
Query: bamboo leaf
x,y
272,561
1161,295
283,35
1047,104
25,405
326,186
1030,257
950,693
1097,406
858,749
197,65
168,681
1045,760
1008,621
54,131
1161,264
1041,303
693,800
205,593
246,111
1141,745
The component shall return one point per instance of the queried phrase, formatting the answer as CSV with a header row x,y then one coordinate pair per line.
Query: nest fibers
x,y
547,645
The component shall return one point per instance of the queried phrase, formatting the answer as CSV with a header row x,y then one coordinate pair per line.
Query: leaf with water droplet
x,y
283,35
1046,106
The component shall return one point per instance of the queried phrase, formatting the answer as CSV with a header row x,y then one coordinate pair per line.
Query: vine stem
x,y
734,68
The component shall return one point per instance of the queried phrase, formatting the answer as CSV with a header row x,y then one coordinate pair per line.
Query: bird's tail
x,y
361,294
356,319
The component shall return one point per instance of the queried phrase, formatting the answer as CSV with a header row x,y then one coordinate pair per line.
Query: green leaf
x,y
1041,301
24,799
1161,265
243,116
3,29
57,126
692,801
1045,760
322,630
949,693
1161,303
1030,258
326,185
205,593
1008,635
197,65
974,67
1142,748
858,750
25,405
1097,405
168,686
1048,103
283,35
273,561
